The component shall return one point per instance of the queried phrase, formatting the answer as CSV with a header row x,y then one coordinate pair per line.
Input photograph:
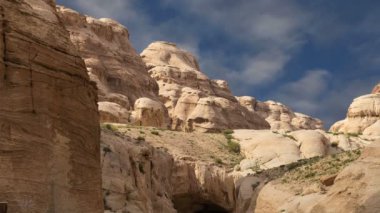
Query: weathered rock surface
x,y
280,116
355,189
49,130
140,178
193,100
114,65
136,176
376,89
363,113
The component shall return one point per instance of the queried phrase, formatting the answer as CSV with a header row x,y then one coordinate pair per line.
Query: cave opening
x,y
195,204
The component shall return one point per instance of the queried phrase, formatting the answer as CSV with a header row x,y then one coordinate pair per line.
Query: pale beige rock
x,y
148,112
362,113
113,112
193,100
355,189
376,89
266,149
112,63
311,143
279,116
136,176
49,130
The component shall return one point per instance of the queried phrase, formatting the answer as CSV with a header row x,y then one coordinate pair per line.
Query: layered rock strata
x,y
49,127
194,101
117,69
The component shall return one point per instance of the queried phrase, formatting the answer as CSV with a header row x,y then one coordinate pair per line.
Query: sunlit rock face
x,y
376,89
49,123
194,101
363,116
119,72
279,116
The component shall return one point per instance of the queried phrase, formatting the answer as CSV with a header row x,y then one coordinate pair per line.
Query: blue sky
x,y
313,55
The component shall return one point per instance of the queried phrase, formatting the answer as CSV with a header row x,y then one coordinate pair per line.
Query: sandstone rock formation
x,y
376,89
355,189
138,176
265,149
280,116
193,100
49,130
114,65
363,116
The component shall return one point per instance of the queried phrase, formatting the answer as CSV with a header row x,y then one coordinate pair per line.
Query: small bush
x,y
228,131
334,144
154,132
289,136
353,134
218,161
107,149
110,127
233,146
228,137
141,168
140,138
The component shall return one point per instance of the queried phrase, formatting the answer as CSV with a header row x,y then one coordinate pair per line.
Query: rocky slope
x,y
119,72
194,101
362,116
49,133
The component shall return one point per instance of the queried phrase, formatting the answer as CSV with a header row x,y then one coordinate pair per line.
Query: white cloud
x,y
305,93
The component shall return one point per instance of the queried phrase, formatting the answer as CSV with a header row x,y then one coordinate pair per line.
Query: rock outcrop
x,y
363,117
279,116
194,101
49,123
376,89
140,178
119,72
355,189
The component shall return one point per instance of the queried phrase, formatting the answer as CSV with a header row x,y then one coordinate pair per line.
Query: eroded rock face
x,y
140,178
136,176
113,64
363,114
280,116
49,124
193,100
376,89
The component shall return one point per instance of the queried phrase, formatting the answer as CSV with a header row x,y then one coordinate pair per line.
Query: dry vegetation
x,y
217,148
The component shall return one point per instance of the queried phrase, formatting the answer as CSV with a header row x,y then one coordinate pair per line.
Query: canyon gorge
x,y
87,124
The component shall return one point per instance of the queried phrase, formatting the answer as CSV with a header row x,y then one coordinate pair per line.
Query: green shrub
x,y
228,131
140,138
218,161
233,146
154,132
110,127
141,168
228,137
